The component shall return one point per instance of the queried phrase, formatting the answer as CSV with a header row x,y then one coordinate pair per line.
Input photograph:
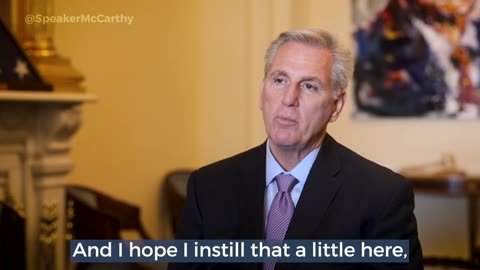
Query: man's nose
x,y
290,96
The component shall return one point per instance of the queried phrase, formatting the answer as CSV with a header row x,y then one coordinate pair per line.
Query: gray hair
x,y
342,67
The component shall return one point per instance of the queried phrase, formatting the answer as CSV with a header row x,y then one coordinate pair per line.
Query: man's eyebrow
x,y
279,73
302,79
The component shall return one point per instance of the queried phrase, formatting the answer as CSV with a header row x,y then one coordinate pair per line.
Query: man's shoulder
x,y
359,167
235,164
352,163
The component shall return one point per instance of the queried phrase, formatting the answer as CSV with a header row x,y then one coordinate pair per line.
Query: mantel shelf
x,y
46,97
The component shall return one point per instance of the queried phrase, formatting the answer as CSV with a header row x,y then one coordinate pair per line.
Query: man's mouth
x,y
285,121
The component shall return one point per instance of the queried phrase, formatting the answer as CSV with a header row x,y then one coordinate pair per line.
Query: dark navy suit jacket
x,y
345,197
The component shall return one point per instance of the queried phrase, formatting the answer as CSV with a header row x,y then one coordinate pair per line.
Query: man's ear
x,y
338,106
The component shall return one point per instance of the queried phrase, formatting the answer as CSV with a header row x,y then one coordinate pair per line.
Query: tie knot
x,y
285,182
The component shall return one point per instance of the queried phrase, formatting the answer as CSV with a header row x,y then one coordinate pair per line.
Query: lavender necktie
x,y
281,211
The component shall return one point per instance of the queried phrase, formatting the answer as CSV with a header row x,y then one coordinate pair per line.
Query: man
x,y
301,183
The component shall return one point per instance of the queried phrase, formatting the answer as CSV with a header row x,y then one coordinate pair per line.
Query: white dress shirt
x,y
273,168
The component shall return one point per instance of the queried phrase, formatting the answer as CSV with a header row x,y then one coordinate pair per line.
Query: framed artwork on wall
x,y
417,58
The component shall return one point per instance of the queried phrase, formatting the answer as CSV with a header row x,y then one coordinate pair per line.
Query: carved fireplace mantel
x,y
35,133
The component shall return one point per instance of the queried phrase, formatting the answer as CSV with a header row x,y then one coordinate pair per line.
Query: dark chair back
x,y
176,191
96,215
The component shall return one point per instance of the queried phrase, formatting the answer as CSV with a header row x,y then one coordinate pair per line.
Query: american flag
x,y
16,70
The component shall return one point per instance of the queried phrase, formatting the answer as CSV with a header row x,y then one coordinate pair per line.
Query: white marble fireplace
x,y
35,133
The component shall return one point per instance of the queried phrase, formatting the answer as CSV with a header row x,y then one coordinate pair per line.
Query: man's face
x,y
297,98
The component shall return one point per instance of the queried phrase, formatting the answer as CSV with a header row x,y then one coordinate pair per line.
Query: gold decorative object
x,y
37,40
48,223
48,235
446,166
9,198
69,235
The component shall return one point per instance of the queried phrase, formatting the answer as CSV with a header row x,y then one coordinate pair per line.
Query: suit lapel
x,y
251,189
319,190
317,194
251,186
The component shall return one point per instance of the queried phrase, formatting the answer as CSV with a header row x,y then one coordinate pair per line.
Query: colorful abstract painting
x,y
417,58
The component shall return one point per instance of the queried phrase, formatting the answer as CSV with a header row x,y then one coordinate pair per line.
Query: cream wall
x,y
179,88
166,85
145,76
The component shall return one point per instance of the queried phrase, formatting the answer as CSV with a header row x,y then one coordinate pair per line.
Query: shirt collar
x,y
300,172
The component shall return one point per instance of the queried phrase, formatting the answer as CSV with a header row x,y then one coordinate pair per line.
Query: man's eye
x,y
279,81
310,87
